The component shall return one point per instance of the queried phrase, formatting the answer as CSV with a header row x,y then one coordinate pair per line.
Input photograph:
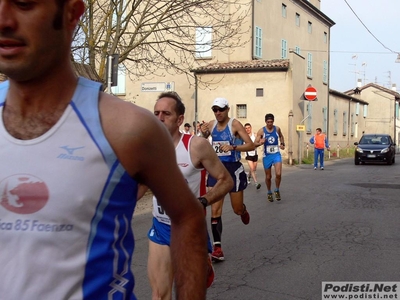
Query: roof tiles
x,y
251,65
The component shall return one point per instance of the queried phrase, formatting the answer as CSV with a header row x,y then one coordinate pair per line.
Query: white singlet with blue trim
x,y
65,209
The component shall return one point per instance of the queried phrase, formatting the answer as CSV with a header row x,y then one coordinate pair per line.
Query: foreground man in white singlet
x,y
72,158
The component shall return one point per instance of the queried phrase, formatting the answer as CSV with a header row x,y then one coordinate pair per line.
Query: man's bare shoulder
x,y
201,150
122,117
236,124
130,130
111,105
198,141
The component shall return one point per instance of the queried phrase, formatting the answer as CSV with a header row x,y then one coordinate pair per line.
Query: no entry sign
x,y
310,93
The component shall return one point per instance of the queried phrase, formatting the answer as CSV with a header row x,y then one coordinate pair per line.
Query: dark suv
x,y
375,148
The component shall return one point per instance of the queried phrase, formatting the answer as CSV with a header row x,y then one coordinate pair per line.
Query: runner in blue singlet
x,y
273,140
228,138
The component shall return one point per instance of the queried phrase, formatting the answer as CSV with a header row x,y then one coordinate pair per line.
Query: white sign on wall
x,y
158,87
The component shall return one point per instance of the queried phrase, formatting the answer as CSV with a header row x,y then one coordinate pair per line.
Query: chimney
x,y
359,83
394,87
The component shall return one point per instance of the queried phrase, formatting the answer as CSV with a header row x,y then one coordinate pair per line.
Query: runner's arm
x,y
152,162
203,155
248,143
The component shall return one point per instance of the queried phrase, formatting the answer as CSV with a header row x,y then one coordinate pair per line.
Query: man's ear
x,y
75,9
180,120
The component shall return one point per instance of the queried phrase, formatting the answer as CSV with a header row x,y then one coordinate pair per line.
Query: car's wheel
x,y
356,162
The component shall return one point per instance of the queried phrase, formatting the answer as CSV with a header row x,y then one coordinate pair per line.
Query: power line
x,y
345,51
368,29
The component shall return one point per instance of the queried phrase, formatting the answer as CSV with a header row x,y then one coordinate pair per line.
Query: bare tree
x,y
155,37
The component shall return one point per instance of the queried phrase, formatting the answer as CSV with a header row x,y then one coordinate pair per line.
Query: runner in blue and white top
x,y
273,140
228,139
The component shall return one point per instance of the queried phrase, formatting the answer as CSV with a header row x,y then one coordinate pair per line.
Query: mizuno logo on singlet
x,y
70,153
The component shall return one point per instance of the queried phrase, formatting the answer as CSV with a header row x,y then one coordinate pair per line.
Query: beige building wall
x,y
381,116
347,121
240,89
266,14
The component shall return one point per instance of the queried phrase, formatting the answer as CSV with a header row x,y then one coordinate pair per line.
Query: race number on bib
x,y
217,148
272,149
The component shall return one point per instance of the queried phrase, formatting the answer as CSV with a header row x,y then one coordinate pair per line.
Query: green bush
x,y
343,153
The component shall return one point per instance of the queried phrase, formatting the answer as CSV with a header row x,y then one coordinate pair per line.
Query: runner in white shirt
x,y
194,156
252,157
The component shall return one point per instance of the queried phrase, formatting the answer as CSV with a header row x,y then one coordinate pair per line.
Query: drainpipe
x,y
290,144
252,29
329,82
195,104
394,122
300,146
348,125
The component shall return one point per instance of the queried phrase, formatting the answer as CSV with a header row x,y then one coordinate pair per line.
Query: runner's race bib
x,y
272,149
217,148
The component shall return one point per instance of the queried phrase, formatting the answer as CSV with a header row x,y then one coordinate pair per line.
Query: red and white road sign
x,y
310,93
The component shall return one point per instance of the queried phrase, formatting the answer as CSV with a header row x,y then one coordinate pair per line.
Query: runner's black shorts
x,y
252,157
238,174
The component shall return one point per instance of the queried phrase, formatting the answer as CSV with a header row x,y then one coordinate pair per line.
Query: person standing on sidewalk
x,y
228,138
273,140
320,142
186,128
195,157
252,157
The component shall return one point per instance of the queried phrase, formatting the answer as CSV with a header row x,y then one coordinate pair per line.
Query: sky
x,y
355,52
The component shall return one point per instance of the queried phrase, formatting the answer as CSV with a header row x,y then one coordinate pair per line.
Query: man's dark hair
x,y
247,124
58,17
269,117
319,129
179,107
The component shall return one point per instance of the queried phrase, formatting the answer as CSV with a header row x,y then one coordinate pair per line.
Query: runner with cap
x,y
228,138
186,128
272,139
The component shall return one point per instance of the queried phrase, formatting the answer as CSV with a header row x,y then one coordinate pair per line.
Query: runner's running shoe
x,y
277,195
258,185
270,197
245,216
217,254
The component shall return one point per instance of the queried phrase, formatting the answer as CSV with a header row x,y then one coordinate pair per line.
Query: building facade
x,y
292,34
383,109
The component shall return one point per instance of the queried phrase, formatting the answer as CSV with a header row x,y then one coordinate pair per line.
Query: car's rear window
x,y
377,140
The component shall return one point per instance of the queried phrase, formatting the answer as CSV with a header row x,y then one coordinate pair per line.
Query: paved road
x,y
340,224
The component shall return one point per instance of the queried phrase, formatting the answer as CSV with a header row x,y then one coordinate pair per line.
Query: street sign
x,y
158,87
300,127
310,93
